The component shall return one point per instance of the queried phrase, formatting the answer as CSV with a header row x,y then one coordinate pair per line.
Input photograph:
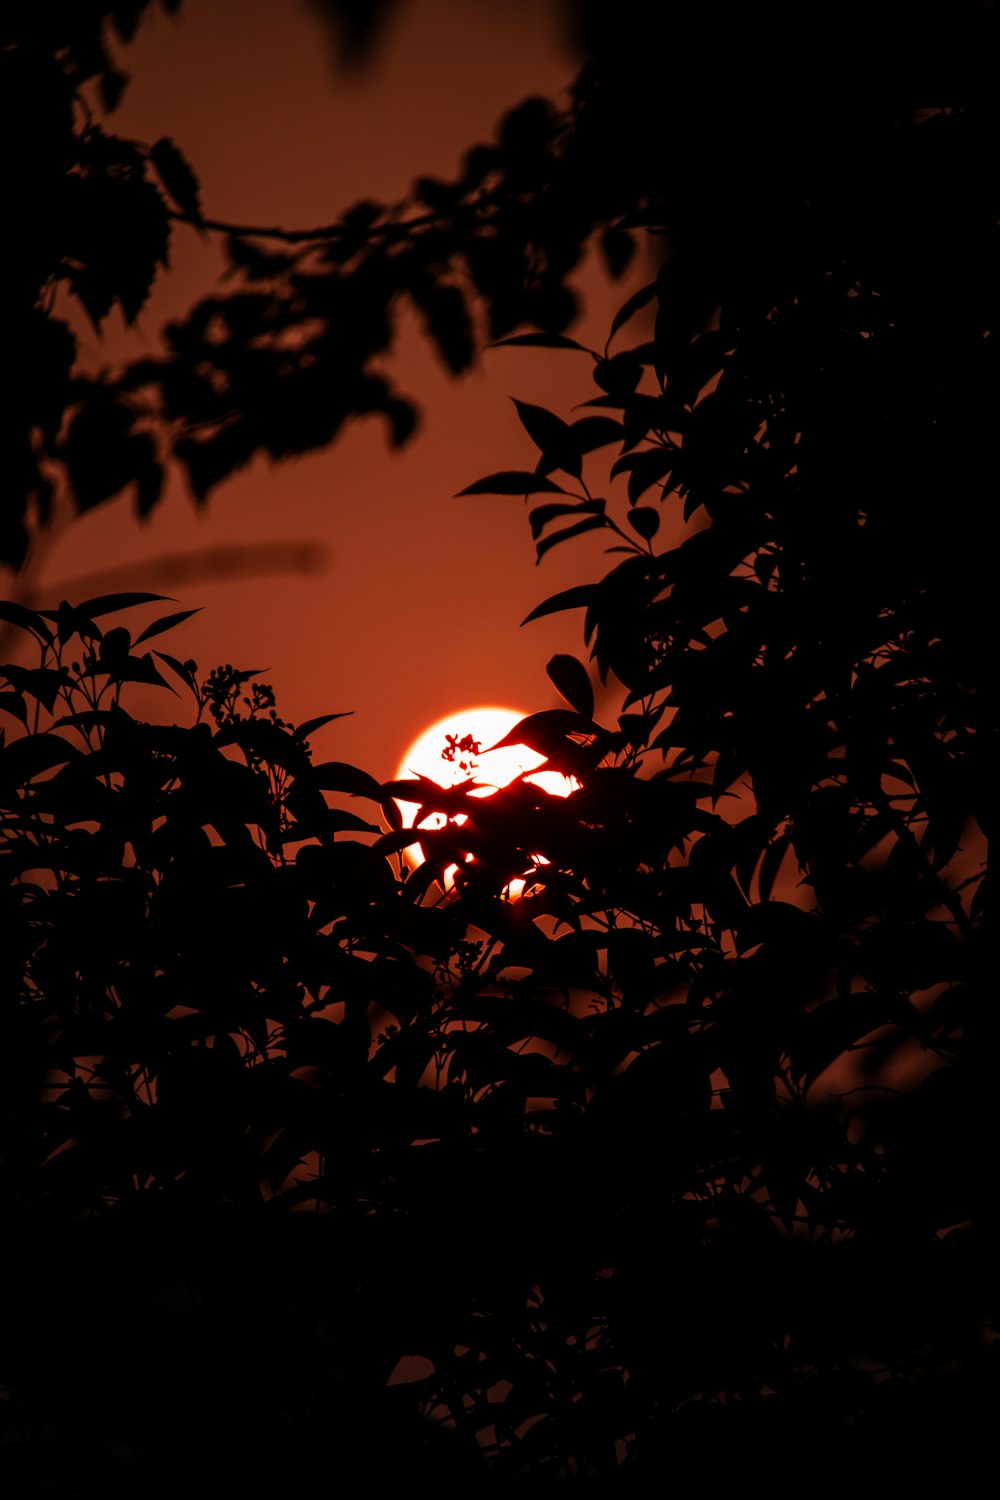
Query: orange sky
x,y
416,609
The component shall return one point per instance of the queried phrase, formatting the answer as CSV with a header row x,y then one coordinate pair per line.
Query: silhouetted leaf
x,y
25,619
513,482
645,521
595,432
545,731
182,669
645,469
552,436
108,604
572,682
577,597
337,776
540,341
577,529
303,731
15,704
165,622
631,306
177,176
542,515
22,760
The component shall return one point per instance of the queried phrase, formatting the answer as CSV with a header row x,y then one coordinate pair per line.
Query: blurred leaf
x,y
618,248
25,619
175,172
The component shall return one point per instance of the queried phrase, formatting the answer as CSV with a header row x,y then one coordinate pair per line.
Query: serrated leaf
x,y
513,482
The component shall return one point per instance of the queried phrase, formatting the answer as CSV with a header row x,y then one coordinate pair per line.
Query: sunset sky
x,y
415,605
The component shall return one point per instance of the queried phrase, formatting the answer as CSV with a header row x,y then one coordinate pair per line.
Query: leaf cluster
x,y
581,1166
660,1133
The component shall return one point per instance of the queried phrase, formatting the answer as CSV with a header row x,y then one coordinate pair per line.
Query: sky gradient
x,y
410,603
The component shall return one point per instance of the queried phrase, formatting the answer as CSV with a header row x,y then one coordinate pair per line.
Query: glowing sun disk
x,y
456,749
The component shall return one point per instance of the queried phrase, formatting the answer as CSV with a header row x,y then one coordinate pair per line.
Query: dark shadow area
x,y
676,1167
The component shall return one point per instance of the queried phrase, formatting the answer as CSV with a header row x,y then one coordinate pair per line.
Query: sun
x,y
457,748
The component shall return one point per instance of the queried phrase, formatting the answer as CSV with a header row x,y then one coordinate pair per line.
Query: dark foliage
x,y
679,1165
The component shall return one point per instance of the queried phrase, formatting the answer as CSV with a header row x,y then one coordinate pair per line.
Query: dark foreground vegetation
x,y
679,1168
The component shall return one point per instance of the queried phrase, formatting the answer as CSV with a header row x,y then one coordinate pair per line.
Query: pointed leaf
x,y
631,306
137,669
165,622
546,731
577,529
542,515
551,435
596,432
25,619
14,703
337,776
303,731
572,682
580,596
513,482
541,341
175,172
107,604
181,668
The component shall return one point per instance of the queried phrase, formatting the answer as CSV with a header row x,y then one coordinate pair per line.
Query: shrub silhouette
x,y
681,1162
